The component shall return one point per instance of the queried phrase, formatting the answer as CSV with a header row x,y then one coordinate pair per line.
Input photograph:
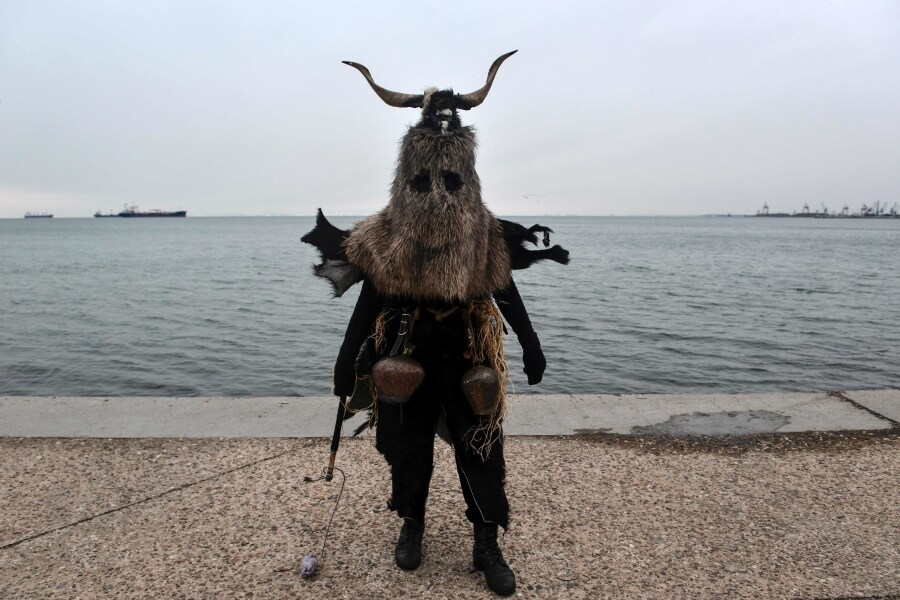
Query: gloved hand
x,y
344,381
534,360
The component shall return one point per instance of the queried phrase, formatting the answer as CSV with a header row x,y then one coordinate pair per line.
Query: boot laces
x,y
494,556
490,550
409,531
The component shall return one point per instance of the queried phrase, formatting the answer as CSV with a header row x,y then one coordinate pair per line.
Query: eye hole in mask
x,y
421,182
452,181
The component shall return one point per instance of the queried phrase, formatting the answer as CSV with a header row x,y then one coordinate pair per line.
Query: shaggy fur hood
x,y
435,240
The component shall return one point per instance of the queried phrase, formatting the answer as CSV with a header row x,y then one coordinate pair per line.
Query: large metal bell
x,y
396,378
481,387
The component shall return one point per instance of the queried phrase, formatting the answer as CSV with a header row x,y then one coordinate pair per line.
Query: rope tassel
x,y
487,348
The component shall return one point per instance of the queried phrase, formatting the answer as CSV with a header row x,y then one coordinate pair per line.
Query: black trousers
x,y
405,435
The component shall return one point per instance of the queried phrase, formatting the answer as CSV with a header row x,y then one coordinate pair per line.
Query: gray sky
x,y
225,108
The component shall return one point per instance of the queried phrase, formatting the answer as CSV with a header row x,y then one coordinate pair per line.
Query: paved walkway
x,y
273,417
636,505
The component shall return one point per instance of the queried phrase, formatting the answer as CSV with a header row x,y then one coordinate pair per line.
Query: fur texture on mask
x,y
429,243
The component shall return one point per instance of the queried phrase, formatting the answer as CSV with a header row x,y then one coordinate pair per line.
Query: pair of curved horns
x,y
463,101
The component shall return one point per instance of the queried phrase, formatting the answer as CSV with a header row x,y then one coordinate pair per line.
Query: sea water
x,y
229,306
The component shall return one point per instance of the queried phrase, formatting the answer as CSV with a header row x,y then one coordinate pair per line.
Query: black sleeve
x,y
360,327
513,310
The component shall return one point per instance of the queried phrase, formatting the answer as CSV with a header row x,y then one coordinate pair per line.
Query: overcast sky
x,y
626,108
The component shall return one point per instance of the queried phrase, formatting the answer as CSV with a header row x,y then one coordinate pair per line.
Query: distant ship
x,y
132,211
31,215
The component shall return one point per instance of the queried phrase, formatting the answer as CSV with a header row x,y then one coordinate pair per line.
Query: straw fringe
x,y
380,330
487,348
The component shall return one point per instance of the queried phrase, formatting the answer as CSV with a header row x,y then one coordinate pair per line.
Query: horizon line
x,y
342,215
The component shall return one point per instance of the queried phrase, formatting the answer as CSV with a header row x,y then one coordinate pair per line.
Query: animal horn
x,y
473,99
392,98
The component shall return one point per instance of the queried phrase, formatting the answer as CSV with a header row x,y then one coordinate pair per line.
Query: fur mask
x,y
435,241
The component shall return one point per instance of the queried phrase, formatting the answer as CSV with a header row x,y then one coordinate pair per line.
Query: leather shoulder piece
x,y
329,241
517,236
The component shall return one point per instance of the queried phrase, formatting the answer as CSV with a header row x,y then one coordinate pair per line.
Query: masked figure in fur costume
x,y
436,271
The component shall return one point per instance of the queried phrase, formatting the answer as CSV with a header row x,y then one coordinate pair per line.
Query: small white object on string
x,y
308,566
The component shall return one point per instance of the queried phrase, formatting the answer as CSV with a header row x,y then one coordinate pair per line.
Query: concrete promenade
x,y
293,417
686,496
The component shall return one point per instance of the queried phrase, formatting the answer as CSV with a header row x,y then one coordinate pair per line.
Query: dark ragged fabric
x,y
405,433
329,241
368,305
518,236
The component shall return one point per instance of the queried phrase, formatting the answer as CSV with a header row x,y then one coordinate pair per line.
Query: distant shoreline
x,y
504,216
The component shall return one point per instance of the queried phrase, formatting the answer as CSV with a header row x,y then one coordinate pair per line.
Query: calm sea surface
x,y
228,306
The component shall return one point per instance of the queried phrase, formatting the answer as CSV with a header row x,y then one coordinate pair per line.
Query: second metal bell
x,y
481,387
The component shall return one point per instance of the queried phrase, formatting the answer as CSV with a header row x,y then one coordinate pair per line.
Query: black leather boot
x,y
408,553
487,558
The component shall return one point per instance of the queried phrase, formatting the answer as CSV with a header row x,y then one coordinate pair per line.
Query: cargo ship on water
x,y
133,211
32,215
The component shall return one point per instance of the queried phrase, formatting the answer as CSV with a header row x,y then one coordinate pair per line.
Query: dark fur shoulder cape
x,y
331,243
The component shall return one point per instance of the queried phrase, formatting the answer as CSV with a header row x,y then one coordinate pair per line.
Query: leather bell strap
x,y
400,344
